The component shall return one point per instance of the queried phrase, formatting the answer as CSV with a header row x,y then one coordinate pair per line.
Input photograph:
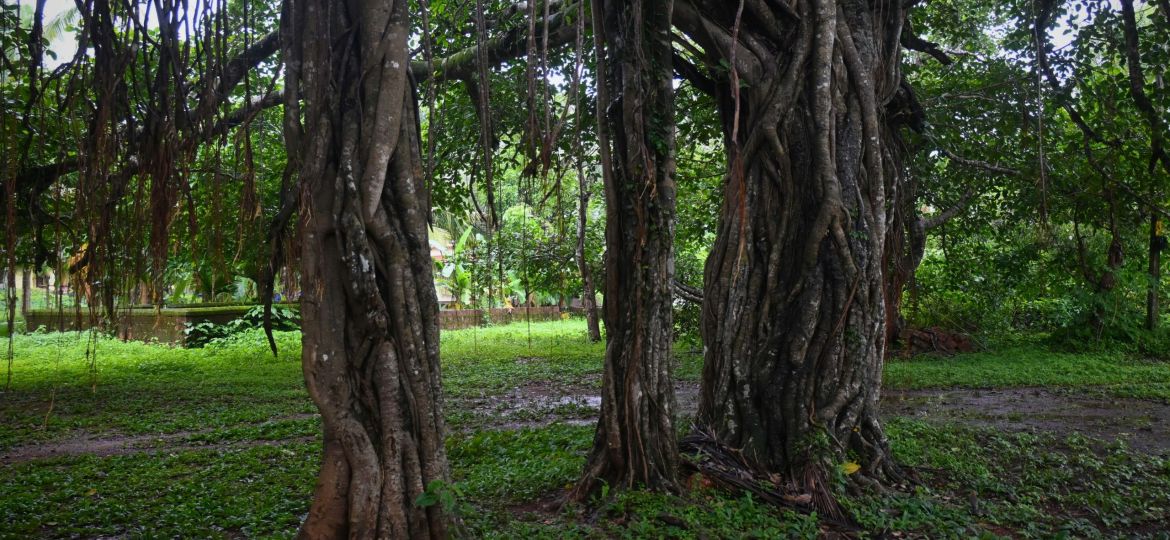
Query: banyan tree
x,y
810,100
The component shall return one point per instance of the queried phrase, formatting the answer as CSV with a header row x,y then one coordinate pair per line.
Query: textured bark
x,y
588,288
369,312
588,292
793,317
26,291
636,443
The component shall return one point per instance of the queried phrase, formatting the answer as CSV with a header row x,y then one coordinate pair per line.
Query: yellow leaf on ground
x,y
850,467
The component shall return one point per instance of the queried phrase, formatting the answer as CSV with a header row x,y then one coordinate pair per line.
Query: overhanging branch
x,y
975,163
511,44
912,41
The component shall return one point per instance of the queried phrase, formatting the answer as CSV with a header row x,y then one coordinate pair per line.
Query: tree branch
x,y
35,180
912,41
511,44
691,73
1137,82
233,73
946,215
686,292
975,163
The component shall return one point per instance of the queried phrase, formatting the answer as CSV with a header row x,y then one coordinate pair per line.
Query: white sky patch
x,y
65,43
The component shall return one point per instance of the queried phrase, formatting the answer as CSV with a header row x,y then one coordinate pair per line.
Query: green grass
x,y
135,388
1033,485
485,361
244,447
1114,373
259,491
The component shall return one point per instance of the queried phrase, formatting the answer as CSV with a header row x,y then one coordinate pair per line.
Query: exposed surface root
x,y
933,340
710,462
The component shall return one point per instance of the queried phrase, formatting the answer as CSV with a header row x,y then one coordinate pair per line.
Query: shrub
x,y
284,318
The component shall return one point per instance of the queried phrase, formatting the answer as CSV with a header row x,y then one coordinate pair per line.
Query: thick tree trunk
x,y
794,316
636,443
369,311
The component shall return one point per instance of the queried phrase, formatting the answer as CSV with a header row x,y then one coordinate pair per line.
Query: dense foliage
x,y
1049,162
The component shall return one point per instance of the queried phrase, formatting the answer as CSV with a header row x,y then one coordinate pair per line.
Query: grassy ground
x,y
1025,366
222,442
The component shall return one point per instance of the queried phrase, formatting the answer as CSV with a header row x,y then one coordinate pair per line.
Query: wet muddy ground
x,y
1143,425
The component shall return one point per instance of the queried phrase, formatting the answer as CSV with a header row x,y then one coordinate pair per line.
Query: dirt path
x,y
1144,425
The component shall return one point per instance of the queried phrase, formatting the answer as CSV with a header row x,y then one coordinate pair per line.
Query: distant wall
x,y
168,325
144,323
456,319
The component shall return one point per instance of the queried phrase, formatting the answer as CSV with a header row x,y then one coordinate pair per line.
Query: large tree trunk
x,y
369,311
635,442
794,317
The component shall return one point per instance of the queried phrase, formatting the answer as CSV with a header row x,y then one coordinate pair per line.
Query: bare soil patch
x,y
540,403
1143,425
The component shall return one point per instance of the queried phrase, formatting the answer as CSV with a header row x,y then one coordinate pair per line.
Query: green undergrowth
x,y
1015,485
237,447
63,384
978,481
250,492
1030,365
488,360
507,485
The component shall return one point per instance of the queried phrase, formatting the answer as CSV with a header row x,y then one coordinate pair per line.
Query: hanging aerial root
x,y
722,466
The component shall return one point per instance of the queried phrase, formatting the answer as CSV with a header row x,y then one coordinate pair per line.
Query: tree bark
x,y
793,317
1105,281
588,292
26,290
369,311
636,443
588,289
